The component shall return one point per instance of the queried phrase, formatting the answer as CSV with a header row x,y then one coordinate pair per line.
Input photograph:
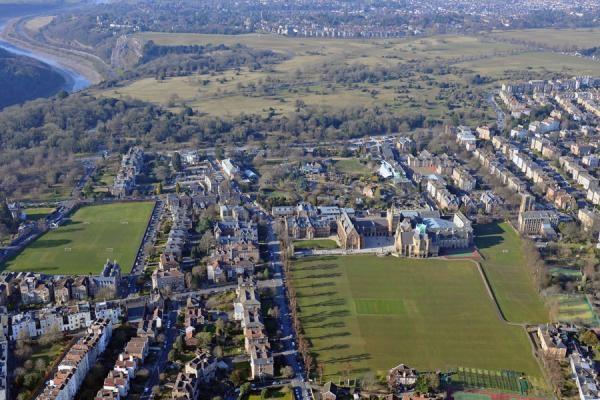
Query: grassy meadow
x,y
368,314
82,245
504,265
562,38
230,93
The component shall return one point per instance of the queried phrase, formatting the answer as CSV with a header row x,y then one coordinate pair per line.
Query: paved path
x,y
344,252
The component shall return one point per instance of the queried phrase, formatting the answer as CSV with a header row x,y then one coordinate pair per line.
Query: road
x,y
160,364
289,342
500,115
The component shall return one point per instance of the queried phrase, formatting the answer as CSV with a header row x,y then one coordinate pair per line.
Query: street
x,y
290,350
171,333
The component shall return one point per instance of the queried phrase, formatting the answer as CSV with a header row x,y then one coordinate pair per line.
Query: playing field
x,y
504,265
83,244
576,308
367,313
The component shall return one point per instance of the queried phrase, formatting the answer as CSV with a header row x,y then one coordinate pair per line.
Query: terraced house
x,y
247,310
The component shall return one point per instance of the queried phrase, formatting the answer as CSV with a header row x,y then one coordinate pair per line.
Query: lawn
x,y
83,244
315,244
504,265
351,166
273,395
366,313
34,214
49,352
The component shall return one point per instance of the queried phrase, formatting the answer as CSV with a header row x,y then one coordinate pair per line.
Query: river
x,y
74,81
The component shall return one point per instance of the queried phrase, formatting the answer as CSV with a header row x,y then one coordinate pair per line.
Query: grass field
x,y
575,308
315,244
537,61
504,265
351,166
92,235
562,38
33,214
367,313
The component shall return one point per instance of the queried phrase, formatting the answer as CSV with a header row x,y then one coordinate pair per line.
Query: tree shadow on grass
x,y
331,335
328,303
489,241
71,230
334,347
337,324
320,276
350,358
317,267
320,294
49,243
323,316
316,285
488,229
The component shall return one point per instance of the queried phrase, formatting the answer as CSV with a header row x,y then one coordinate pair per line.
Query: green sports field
x,y
367,313
504,265
83,244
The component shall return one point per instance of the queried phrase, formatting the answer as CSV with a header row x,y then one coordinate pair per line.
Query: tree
x,y
172,356
31,380
320,371
218,352
40,365
207,242
287,372
244,390
176,162
50,336
237,377
88,190
428,383
219,153
204,339
264,394
178,344
220,327
589,338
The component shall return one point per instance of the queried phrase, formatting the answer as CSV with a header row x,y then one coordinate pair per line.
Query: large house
x,y
347,233
421,234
